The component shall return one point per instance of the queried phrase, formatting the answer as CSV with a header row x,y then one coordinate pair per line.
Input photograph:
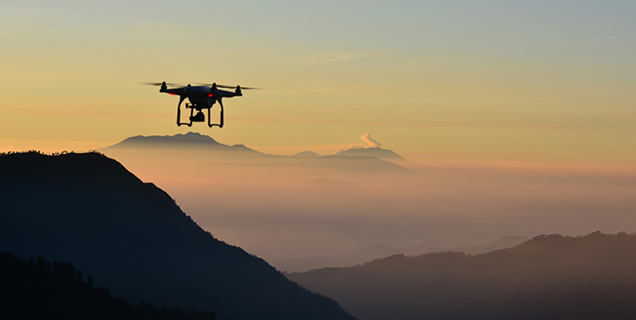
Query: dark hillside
x,y
549,277
131,237
36,289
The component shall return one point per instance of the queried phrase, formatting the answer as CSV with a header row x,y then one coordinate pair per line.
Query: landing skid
x,y
192,107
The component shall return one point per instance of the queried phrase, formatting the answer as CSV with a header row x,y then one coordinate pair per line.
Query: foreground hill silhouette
x,y
36,289
549,277
131,237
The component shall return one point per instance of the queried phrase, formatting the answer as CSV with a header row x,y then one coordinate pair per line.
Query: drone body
x,y
200,97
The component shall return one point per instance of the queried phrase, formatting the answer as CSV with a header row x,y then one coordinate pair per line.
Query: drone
x,y
200,97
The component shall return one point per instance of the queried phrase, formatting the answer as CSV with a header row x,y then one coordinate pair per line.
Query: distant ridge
x,y
369,152
548,277
204,142
379,250
190,137
160,146
132,237
307,154
188,140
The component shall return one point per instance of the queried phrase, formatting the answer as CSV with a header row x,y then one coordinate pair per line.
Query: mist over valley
x,y
308,210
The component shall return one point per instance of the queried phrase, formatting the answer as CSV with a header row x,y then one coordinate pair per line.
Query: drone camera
x,y
199,117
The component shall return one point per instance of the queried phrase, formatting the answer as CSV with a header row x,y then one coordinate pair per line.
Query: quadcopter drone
x,y
200,97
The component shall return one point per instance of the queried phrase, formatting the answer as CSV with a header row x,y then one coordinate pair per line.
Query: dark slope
x,y
36,289
549,277
131,236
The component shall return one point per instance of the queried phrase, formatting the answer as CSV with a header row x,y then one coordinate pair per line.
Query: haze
x,y
299,213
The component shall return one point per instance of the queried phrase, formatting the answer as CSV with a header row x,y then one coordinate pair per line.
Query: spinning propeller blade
x,y
160,83
226,87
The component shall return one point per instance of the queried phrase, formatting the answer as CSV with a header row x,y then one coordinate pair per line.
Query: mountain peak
x,y
306,154
369,152
195,136
190,137
193,140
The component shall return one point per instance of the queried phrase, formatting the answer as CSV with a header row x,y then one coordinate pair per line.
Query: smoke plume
x,y
370,140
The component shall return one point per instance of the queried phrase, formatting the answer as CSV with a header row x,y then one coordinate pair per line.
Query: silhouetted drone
x,y
200,97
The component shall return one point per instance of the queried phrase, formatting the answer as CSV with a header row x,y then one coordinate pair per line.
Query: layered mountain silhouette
x,y
188,140
549,277
132,237
383,250
379,250
371,160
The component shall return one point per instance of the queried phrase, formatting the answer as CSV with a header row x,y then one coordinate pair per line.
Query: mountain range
x,y
352,160
377,251
369,152
263,201
548,277
133,238
188,140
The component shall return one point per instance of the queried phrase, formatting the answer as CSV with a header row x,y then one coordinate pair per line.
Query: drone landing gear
x,y
220,124
199,117
179,123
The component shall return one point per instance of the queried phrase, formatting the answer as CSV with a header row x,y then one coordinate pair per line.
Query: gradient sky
x,y
528,82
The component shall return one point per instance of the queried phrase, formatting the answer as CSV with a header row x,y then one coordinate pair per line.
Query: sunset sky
x,y
520,82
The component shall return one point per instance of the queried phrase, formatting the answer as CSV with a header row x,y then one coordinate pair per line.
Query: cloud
x,y
370,140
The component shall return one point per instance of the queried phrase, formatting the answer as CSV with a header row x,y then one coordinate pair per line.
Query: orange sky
x,y
492,82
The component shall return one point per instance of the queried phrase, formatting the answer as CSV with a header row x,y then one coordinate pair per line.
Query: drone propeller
x,y
246,88
226,87
161,83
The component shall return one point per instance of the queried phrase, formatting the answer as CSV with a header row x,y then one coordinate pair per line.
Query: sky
x,y
516,83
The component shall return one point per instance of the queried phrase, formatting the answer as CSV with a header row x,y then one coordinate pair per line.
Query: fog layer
x,y
294,209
